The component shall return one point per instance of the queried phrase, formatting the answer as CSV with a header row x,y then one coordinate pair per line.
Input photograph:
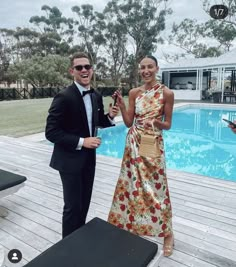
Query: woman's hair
x,y
151,57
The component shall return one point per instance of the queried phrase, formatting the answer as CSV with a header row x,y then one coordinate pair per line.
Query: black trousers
x,y
77,192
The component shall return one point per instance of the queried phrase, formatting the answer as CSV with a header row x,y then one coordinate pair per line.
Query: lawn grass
x,y
28,116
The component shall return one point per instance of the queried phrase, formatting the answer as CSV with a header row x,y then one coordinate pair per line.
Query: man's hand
x,y
92,142
113,111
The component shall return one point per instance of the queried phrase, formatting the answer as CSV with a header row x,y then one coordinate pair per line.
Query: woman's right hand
x,y
232,127
119,98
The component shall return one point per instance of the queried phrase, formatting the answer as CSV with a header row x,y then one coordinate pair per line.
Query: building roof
x,y
226,60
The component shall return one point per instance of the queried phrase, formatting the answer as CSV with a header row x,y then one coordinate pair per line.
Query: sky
x,y
16,13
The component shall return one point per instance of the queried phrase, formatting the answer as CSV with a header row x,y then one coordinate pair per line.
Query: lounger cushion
x,y
9,179
98,244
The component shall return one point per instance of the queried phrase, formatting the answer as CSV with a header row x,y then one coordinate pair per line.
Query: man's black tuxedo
x,y
66,123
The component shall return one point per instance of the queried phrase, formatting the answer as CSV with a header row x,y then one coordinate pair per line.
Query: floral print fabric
x,y
141,202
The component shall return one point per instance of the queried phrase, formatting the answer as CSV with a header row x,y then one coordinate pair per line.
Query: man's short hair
x,y
78,55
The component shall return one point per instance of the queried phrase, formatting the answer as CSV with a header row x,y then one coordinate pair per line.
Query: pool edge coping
x,y
38,137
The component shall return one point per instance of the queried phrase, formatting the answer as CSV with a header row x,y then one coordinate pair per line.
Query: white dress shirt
x,y
89,111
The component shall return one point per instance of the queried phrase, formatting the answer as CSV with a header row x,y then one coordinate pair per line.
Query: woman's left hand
x,y
147,124
152,123
157,123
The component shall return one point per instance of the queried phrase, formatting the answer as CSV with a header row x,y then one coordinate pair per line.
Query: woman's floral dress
x,y
141,202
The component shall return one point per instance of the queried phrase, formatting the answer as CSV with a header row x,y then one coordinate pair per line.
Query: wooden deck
x,y
204,208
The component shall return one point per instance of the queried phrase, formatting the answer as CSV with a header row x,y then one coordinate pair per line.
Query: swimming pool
x,y
199,142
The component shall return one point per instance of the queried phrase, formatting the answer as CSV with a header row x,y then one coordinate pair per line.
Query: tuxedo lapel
x,y
95,119
81,107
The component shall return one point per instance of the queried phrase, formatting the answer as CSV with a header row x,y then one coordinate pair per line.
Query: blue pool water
x,y
198,142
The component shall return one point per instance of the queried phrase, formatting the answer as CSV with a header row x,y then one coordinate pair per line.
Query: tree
x,y
222,32
115,47
26,43
189,35
143,24
43,71
230,4
129,68
90,25
7,41
102,71
53,22
194,37
56,31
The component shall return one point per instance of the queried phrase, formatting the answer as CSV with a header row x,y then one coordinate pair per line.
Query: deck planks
x,y
204,208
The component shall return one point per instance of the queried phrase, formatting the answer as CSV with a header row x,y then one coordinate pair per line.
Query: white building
x,y
194,79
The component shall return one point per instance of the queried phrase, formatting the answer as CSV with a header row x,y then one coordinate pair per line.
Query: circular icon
x,y
219,11
14,256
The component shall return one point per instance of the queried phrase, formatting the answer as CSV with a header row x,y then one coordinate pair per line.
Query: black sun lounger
x,y
9,179
9,184
98,244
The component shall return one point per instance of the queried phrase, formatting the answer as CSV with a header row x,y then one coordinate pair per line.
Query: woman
x,y
141,202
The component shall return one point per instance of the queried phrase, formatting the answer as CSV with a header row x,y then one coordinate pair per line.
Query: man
x,y
177,86
73,116
189,86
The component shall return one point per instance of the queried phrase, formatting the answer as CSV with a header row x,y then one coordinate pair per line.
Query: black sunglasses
x,y
80,67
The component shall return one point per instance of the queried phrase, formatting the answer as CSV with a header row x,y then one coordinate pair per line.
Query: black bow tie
x,y
88,92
